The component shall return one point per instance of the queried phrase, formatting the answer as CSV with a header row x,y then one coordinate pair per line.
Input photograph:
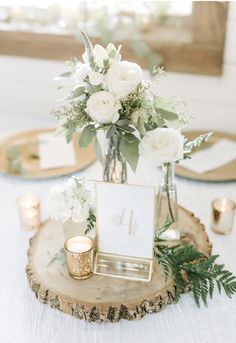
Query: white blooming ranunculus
x,y
123,78
103,107
80,74
162,145
95,78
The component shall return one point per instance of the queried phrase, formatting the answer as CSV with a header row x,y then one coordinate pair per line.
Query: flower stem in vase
x,y
115,169
167,206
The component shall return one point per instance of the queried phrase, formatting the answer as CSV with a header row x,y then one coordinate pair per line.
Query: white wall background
x,y
27,89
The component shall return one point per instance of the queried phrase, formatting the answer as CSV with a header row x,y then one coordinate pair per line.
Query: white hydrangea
x,y
71,200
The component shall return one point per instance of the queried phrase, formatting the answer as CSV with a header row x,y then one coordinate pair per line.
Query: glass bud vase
x,y
167,206
115,169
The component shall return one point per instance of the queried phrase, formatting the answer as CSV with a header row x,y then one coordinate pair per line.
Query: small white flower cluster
x,y
73,199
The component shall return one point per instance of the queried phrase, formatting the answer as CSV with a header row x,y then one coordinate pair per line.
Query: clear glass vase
x,y
115,168
167,205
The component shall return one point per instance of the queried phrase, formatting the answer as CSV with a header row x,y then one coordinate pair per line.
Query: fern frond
x,y
202,273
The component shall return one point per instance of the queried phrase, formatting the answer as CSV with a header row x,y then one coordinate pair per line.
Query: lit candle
x,y
223,211
29,211
79,254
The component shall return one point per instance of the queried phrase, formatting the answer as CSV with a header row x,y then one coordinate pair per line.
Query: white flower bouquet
x,y
73,200
111,95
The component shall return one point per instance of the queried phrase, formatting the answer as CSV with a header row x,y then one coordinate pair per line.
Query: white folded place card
x,y
219,154
54,152
125,230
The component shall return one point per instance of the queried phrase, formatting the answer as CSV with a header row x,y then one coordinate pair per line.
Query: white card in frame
x,y
125,230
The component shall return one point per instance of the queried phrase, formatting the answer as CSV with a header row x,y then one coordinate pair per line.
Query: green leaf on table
x,y
129,149
87,136
60,257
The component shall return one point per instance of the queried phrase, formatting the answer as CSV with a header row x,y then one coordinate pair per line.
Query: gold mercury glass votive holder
x,y
223,211
29,211
79,254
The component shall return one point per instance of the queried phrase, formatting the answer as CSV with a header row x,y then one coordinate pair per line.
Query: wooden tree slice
x,y
102,298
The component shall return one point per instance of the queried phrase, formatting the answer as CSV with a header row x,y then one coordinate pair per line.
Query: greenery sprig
x,y
190,145
91,222
192,269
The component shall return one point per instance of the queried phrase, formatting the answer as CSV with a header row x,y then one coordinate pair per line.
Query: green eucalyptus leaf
x,y
130,151
161,102
78,91
116,140
122,122
141,127
111,131
69,134
87,135
98,151
127,128
160,121
167,115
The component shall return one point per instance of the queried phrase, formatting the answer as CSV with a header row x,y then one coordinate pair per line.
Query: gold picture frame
x,y
136,261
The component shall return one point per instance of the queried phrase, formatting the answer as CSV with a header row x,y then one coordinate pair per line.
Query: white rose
x,y
95,78
80,74
162,145
123,77
103,107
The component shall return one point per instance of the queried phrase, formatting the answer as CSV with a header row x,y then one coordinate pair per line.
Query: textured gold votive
x,y
29,211
223,210
79,254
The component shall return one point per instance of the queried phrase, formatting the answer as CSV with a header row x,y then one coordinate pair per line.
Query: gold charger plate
x,y
226,172
27,166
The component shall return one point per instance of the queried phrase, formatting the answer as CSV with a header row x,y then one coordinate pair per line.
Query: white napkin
x,y
219,154
54,152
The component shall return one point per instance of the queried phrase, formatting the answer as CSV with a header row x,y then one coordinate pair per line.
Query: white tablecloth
x,y
23,319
